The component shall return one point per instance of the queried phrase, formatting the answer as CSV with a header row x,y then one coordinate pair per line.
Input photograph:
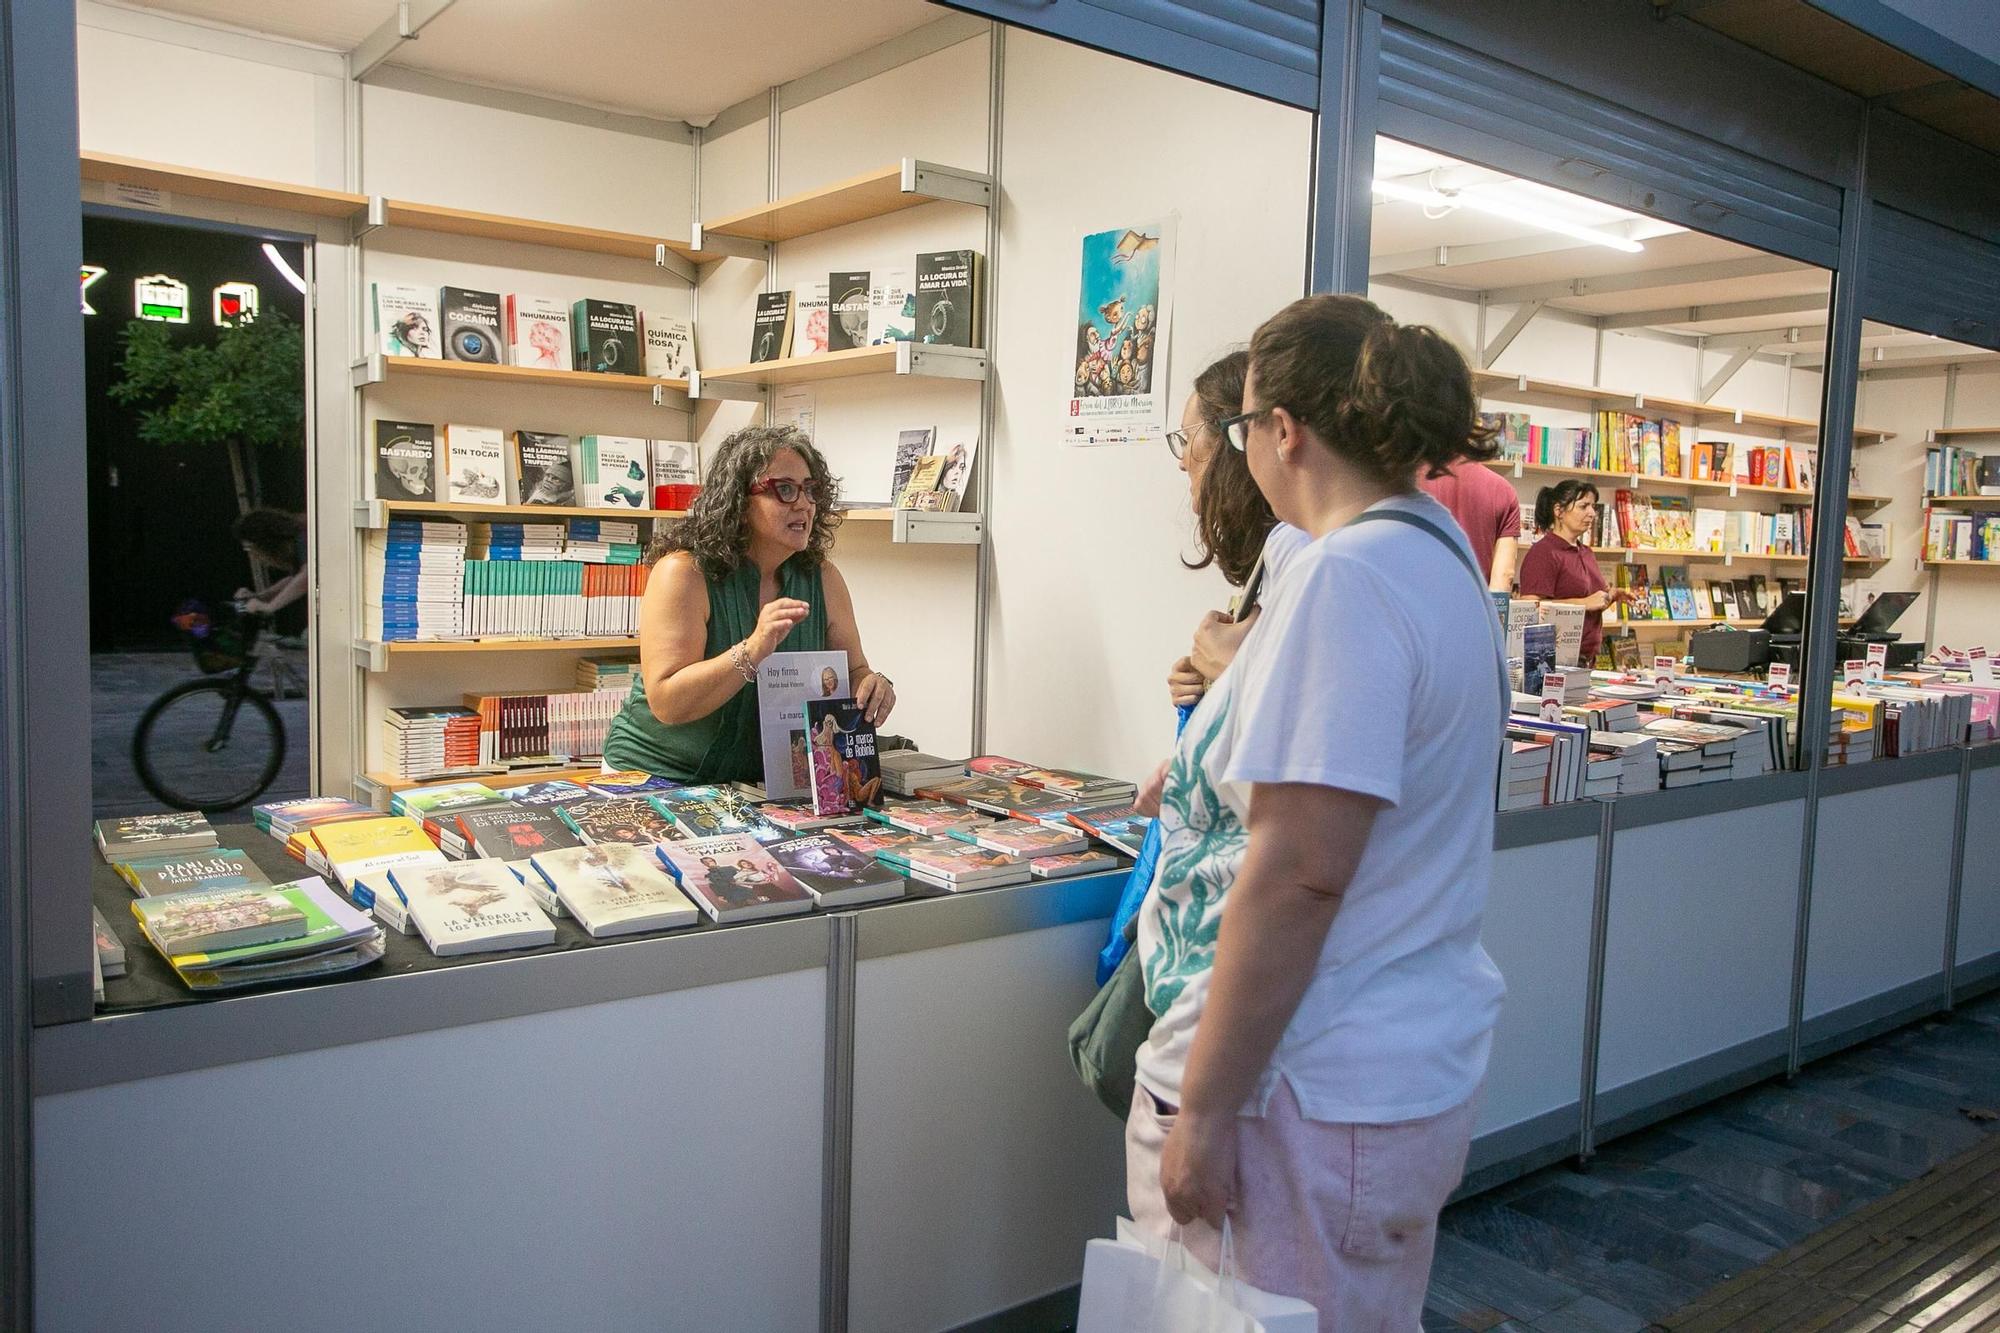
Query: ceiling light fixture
x,y
1500,208
289,273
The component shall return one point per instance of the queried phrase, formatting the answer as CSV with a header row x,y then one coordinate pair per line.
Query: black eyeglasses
x,y
1178,440
1236,429
786,491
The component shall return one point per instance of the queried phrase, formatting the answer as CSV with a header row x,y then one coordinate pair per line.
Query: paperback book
x,y
110,949
1071,863
538,333
207,920
630,782
630,820
707,812
676,473
847,311
932,818
337,938
613,472
771,327
892,308
846,775
785,683
541,469
733,878
949,863
472,907
1020,839
515,832
405,461
875,840
903,771
605,337
947,302
217,868
809,326
923,481
132,836
669,346
475,466
613,889
1121,827
471,325
911,445
548,795
796,817
834,873
406,320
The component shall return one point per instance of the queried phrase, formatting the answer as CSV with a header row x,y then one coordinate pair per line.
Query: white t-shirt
x,y
1282,543
1372,669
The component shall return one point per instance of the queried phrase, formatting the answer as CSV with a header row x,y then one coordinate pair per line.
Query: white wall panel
x,y
1979,903
1879,903
1538,933
934,108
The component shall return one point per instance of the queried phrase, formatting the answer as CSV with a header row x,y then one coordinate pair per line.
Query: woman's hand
x,y
774,622
1147,801
877,696
1597,601
1185,685
1198,1168
1216,640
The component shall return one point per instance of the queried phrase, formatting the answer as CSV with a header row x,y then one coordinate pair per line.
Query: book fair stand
x,y
1761,327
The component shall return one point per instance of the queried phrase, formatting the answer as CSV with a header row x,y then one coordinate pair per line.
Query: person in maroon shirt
x,y
1562,568
1486,506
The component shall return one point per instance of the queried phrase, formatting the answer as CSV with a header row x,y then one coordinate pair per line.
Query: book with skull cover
x,y
405,461
848,296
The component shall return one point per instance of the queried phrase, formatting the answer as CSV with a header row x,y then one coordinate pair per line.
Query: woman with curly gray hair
x,y
743,576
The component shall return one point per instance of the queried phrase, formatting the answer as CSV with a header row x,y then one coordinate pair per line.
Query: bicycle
x,y
192,748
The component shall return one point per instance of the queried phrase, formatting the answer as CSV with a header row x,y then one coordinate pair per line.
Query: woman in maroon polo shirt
x,y
1562,568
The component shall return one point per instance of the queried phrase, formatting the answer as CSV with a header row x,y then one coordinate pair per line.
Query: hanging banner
x,y
1118,393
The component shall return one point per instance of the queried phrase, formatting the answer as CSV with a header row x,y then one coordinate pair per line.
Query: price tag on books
x,y
1554,688
1664,671
1853,671
1982,666
1878,660
1781,674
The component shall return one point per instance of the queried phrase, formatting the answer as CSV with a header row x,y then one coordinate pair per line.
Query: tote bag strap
x,y
1458,551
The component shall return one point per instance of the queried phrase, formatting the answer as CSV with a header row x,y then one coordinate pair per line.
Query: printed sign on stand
x,y
1664,671
1878,660
1982,666
1853,672
1553,693
1781,674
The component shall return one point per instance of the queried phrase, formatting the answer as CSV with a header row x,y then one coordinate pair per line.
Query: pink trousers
x,y
1343,1216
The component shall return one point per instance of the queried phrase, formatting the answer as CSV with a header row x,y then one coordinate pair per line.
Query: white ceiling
x,y
673,59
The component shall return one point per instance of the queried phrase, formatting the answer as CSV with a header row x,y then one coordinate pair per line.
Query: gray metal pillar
x,y
1343,148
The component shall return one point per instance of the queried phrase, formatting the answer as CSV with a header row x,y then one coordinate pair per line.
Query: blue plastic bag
x,y
1136,883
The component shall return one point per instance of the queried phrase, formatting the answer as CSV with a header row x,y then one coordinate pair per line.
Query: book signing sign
x,y
1124,304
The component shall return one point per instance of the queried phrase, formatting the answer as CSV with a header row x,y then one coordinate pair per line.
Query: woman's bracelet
x,y
739,657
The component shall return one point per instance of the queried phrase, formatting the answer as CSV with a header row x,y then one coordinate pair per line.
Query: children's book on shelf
x,y
213,868
475,465
406,320
613,472
846,775
539,471
612,889
669,346
605,338
622,819
406,461
472,907
537,332
892,308
785,681
733,878
809,325
847,310
947,298
131,836
209,920
471,325
834,873
771,327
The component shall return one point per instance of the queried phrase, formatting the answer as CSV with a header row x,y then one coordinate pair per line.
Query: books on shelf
x,y
471,325
612,889
846,774
471,907
771,327
733,878
538,336
912,445
432,742
669,345
540,469
630,820
847,310
181,872
892,308
417,576
948,298
835,874
406,461
676,473
785,681
613,472
923,480
406,320
809,326
132,836
605,338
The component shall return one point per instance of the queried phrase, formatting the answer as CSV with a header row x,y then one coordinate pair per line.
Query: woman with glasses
x,y
1561,567
743,576
1311,944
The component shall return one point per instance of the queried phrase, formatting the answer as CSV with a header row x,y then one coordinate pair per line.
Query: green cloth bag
x,y
1104,1040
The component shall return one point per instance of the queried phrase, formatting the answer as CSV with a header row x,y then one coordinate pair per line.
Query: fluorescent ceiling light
x,y
286,270
1501,208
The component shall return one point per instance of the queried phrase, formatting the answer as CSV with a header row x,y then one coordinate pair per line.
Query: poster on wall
x,y
1124,311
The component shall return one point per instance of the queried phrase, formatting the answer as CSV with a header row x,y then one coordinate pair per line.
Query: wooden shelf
x,y
1619,555
1964,564
375,513
374,654
872,194
1642,481
375,369
868,515
902,358
1699,622
221,186
526,231
1531,389
1953,432
1970,501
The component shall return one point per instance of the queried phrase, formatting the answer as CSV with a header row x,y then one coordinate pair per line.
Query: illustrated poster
x,y
1124,310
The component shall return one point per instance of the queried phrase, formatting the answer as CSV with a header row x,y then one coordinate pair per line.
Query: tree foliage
x,y
245,388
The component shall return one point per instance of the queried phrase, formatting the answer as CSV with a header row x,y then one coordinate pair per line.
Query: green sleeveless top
x,y
724,746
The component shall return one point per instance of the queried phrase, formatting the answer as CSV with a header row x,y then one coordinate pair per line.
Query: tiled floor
x,y
1663,1215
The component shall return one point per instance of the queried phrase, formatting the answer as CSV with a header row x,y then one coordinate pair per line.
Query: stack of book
x,y
904,771
534,728
432,742
1569,756
799,817
610,889
1637,755
361,853
418,576
223,939
835,874
283,819
948,863
733,878
603,541
1019,839
469,907
215,868
130,837
933,819
515,541
513,833
1525,766
610,674
1695,753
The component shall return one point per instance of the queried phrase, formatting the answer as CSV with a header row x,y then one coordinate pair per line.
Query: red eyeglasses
x,y
786,491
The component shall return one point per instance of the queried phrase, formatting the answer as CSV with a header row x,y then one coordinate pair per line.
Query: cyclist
x,y
278,538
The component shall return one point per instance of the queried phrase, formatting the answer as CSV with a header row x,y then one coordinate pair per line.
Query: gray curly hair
x,y
714,532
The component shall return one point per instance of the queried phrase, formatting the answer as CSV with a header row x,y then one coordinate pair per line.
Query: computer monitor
x,y
1882,613
1789,616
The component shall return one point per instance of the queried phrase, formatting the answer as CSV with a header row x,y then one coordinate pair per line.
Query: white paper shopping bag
x,y
1140,1283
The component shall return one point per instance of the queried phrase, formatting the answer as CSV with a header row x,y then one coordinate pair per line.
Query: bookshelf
x,y
528,231
1632,555
375,514
220,186
376,369
873,194
927,360
1646,483
1970,501
1946,563
1954,432
1533,391
376,654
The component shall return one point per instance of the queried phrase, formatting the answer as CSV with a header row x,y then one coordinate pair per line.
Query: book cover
x,y
892,308
1071,863
809,325
614,889
955,481
669,346
605,338
1019,839
847,310
771,327
358,849
538,334
406,320
841,751
968,790
472,907
798,817
471,325
708,812
676,473
932,818
835,873
911,445
630,782
733,878
515,833
956,862
330,923
631,820
613,472
785,682
218,868
924,479
541,473
129,836
206,920
1538,656
947,305
405,461
1567,619
874,840
475,465
548,795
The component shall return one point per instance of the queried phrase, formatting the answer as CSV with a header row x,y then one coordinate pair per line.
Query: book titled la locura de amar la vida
x,y
846,775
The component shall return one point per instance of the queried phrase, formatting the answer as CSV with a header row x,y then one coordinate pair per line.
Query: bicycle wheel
x,y
199,748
